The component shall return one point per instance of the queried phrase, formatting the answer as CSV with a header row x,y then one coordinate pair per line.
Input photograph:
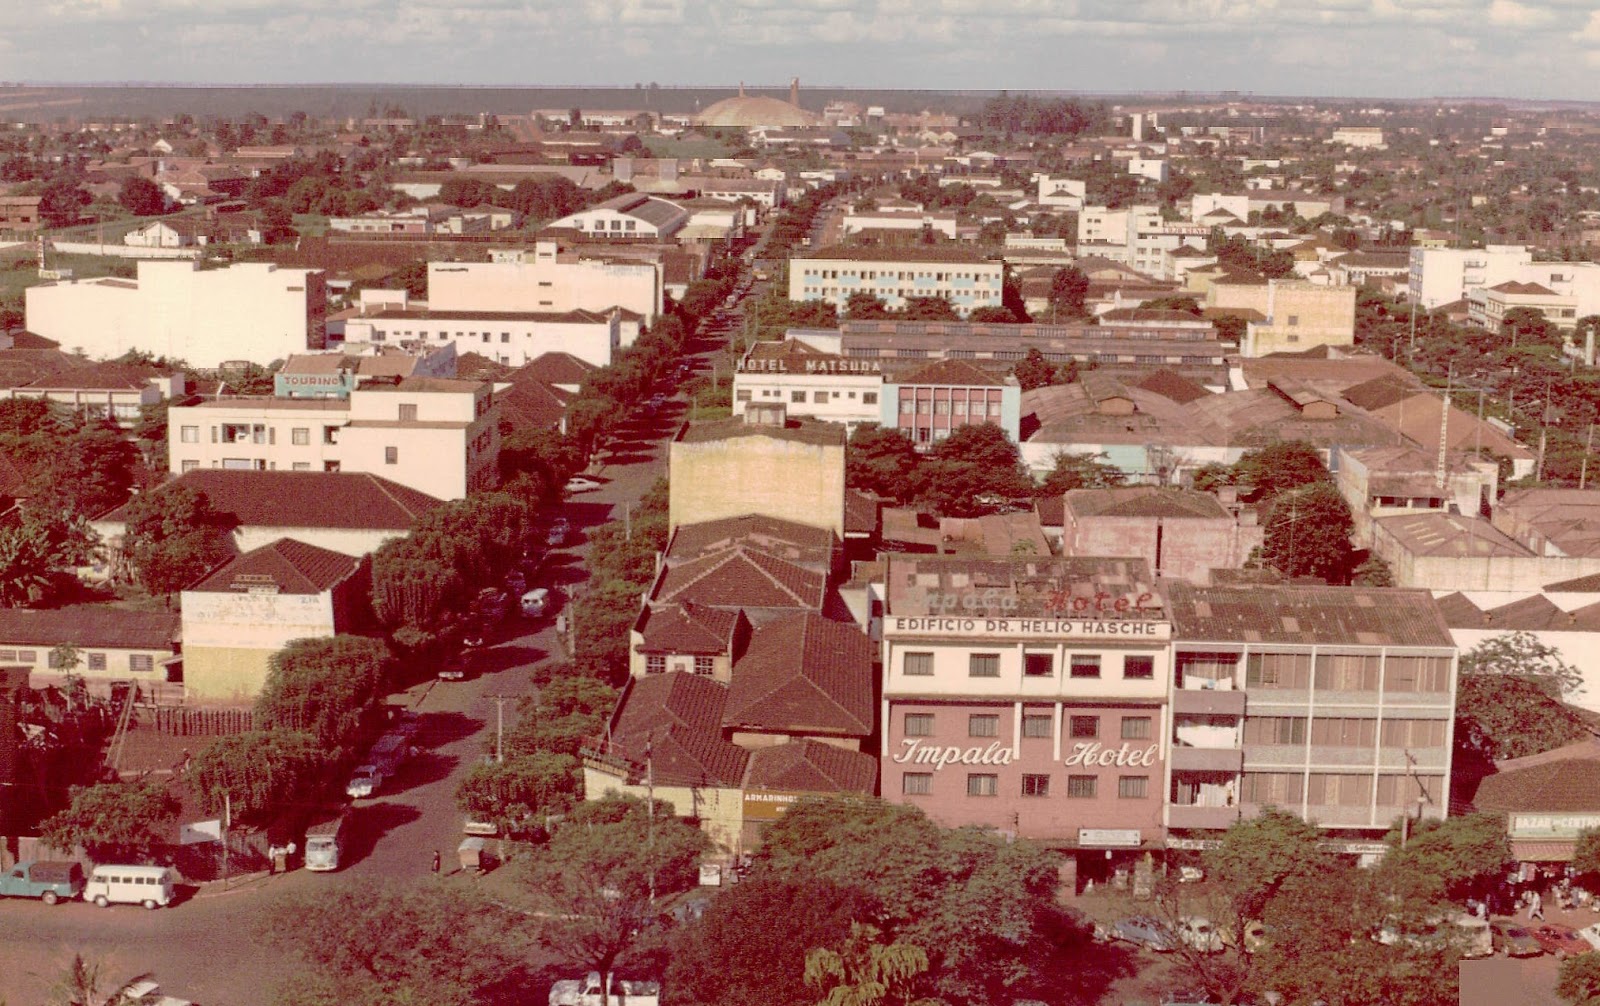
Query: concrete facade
x,y
545,281
897,275
511,338
1299,315
257,312
793,471
1182,535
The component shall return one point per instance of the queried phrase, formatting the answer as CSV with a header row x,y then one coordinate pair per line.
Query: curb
x,y
218,888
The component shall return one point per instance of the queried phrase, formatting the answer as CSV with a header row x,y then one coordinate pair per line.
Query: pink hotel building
x,y
1030,696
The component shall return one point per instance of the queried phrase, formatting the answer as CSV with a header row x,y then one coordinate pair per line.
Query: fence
x,y
180,721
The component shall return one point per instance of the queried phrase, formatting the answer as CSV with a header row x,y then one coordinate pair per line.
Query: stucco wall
x,y
757,474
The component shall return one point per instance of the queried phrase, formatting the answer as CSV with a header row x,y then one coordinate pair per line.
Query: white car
x,y
364,783
535,602
556,536
1591,934
580,484
1197,931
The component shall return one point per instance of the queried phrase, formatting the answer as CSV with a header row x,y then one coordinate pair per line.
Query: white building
x,y
438,436
1137,236
1359,136
1152,168
258,312
1445,275
895,275
547,281
809,382
900,219
632,215
1065,193
509,337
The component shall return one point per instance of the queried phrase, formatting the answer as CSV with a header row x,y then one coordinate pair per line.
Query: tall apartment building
x,y
1333,703
257,312
1499,278
896,275
547,281
1296,315
436,435
1137,236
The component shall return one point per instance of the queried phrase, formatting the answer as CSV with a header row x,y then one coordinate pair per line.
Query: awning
x,y
1543,852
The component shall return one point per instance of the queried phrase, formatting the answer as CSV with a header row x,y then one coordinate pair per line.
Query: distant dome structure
x,y
745,112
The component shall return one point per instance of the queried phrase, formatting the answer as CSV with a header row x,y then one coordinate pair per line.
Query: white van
x,y
150,886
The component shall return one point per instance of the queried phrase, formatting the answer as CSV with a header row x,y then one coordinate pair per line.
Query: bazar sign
x,y
933,625
1552,825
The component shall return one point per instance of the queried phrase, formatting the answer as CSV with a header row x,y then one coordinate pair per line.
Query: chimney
x,y
794,92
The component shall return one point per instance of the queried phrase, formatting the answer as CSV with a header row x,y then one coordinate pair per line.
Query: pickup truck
x,y
49,882
573,992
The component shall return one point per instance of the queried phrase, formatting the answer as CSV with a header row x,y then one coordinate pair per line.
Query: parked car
x,y
455,667
535,602
1560,941
1198,932
1590,934
1513,940
581,484
556,536
46,880
364,782
1144,931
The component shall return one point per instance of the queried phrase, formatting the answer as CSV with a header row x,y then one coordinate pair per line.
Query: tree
x,y
983,908
1578,980
567,711
865,306
1278,467
881,461
114,821
1185,304
1034,371
1438,861
520,789
1372,572
1080,471
1069,293
929,309
867,972
174,536
751,944
60,201
1005,315
1586,852
976,460
1508,697
259,774
38,553
367,944
598,882
1308,533
84,984
331,688
87,471
141,196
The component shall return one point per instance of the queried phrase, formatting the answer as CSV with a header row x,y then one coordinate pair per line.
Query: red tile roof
x,y
353,500
803,674
812,767
1565,783
677,718
958,373
89,626
286,566
741,577
554,368
691,628
795,542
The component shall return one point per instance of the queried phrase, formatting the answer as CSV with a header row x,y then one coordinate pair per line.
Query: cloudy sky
x,y
1404,48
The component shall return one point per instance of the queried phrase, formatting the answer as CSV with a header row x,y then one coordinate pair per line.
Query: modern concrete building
x,y
759,463
810,382
1334,703
547,281
1298,315
631,216
931,402
896,275
256,312
439,436
1029,696
509,337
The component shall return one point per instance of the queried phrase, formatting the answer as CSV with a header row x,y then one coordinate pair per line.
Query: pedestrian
x,y
436,861
1535,906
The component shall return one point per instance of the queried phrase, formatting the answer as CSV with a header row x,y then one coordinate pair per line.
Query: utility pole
x,y
227,825
1588,445
499,727
650,803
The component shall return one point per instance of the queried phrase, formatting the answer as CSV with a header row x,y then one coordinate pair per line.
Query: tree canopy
x,y
965,472
174,536
114,821
331,688
881,461
1509,698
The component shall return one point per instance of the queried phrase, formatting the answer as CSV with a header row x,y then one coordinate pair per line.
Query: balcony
x,y
1207,702
1219,818
1187,759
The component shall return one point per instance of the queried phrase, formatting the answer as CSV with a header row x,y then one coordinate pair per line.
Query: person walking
x,y
436,861
1535,906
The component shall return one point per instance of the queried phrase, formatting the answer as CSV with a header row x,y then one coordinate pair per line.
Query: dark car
x,y
1513,940
1144,931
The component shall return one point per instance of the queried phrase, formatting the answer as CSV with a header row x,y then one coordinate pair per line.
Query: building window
x,y
797,397
703,666
505,336
1086,665
1036,725
57,661
1139,668
1291,671
655,663
1035,785
97,661
1038,665
189,434
141,662
1133,787
391,455
983,665
1281,788
916,783
1081,787
1136,728
1084,726
869,398
918,664
919,724
301,466
190,465
330,434
27,656
408,412
1275,730
742,395
983,784
1348,732
983,725
300,436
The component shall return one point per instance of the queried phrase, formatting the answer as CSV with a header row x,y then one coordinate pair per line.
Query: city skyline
x,y
1356,48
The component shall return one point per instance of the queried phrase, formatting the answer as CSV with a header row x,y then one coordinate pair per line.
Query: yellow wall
x,y
758,474
214,674
719,810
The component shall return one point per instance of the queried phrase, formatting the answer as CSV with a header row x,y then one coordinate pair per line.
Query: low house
x,y
1181,533
1548,800
113,646
242,613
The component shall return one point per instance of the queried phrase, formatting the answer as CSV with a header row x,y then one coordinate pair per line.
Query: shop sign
x,y
1026,627
916,753
1354,848
1093,754
1551,825
1113,838
765,805
1196,844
